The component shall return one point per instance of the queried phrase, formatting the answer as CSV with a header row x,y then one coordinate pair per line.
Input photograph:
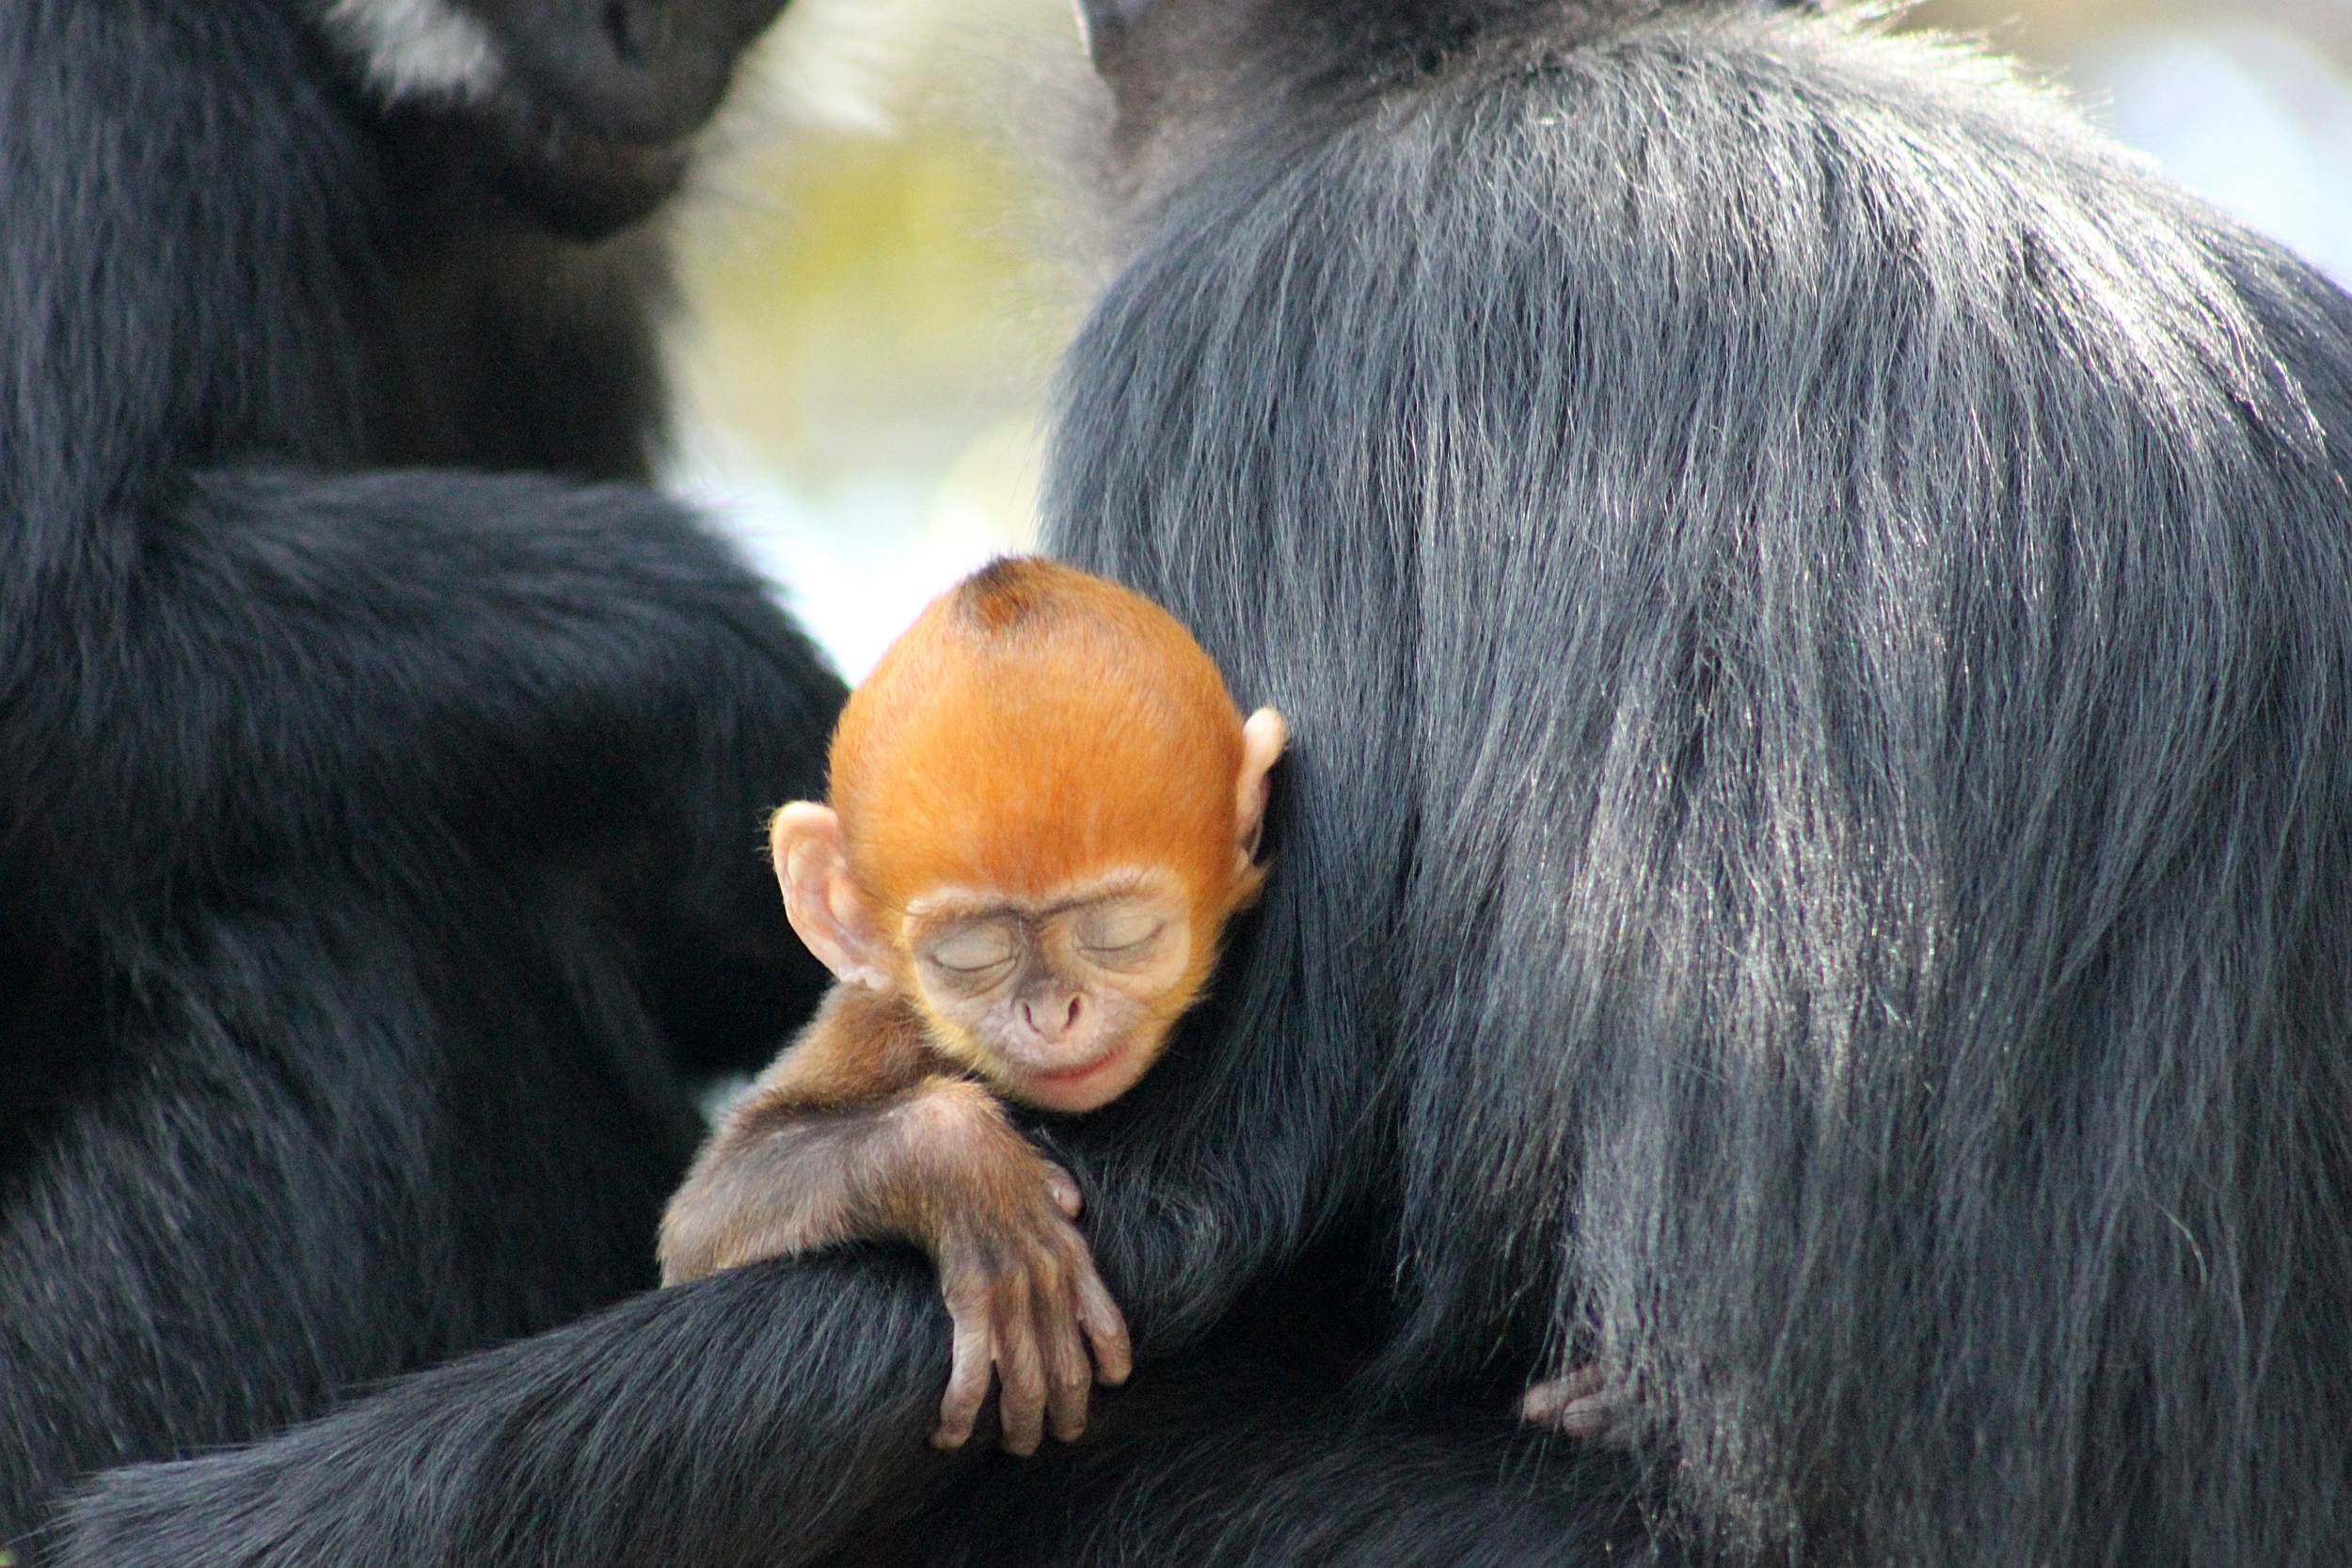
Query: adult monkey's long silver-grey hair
x,y
1816,599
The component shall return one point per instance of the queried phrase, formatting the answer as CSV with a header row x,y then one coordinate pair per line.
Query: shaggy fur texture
x,y
1816,599
1814,868
375,847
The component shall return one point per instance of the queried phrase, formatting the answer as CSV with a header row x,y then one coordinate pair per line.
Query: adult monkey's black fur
x,y
375,847
1820,600
1815,867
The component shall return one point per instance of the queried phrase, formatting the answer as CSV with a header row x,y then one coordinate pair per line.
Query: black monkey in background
x,y
376,847
1816,870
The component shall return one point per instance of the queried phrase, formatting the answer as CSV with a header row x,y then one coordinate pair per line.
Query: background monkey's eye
x,y
973,950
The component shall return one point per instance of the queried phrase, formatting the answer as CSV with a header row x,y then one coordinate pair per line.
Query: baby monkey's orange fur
x,y
1045,808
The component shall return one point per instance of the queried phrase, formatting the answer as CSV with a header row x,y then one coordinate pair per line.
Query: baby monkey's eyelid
x,y
1111,949
969,968
971,952
1121,946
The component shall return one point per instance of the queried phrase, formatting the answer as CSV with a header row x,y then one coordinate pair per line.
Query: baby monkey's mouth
x,y
1083,1070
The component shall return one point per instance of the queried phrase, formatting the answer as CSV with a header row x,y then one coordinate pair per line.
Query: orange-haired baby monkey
x,y
1045,808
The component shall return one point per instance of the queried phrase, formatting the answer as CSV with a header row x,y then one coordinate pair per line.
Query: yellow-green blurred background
x,y
886,255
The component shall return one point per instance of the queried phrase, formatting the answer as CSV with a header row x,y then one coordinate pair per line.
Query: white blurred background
x,y
884,261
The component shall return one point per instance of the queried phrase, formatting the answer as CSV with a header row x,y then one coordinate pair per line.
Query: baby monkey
x,y
1045,808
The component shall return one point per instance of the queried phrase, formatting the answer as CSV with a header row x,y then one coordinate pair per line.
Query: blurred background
x,y
885,257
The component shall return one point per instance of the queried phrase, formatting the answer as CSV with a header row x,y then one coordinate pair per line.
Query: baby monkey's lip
x,y
1071,1075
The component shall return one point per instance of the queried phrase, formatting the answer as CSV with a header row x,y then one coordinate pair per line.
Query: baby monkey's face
x,y
1062,1003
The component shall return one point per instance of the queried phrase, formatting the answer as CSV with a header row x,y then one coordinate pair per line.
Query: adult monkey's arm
x,y
757,1417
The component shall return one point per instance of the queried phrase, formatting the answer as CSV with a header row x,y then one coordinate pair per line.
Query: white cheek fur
x,y
418,49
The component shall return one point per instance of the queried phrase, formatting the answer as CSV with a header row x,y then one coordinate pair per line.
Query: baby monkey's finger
x,y
967,1379
1019,1369
1069,1373
1106,1325
1063,1188
1588,1403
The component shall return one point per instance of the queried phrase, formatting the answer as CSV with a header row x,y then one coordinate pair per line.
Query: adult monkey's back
x,y
1813,870
1818,603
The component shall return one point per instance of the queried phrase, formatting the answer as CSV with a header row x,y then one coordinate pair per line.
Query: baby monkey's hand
x,y
1590,1402
1022,1290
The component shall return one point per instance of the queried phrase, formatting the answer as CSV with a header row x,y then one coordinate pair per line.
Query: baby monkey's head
x,y
1044,807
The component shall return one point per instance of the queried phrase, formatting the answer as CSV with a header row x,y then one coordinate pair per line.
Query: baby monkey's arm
x,y
857,1133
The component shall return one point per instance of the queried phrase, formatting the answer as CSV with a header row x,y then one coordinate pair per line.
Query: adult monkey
x,y
1815,864
375,847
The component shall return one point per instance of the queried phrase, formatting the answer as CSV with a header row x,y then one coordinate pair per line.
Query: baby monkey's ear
x,y
823,904
1262,737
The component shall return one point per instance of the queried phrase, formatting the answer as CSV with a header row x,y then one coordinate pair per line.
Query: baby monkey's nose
x,y
1052,1020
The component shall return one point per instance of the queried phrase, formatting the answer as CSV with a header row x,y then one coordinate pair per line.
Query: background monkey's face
x,y
582,113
